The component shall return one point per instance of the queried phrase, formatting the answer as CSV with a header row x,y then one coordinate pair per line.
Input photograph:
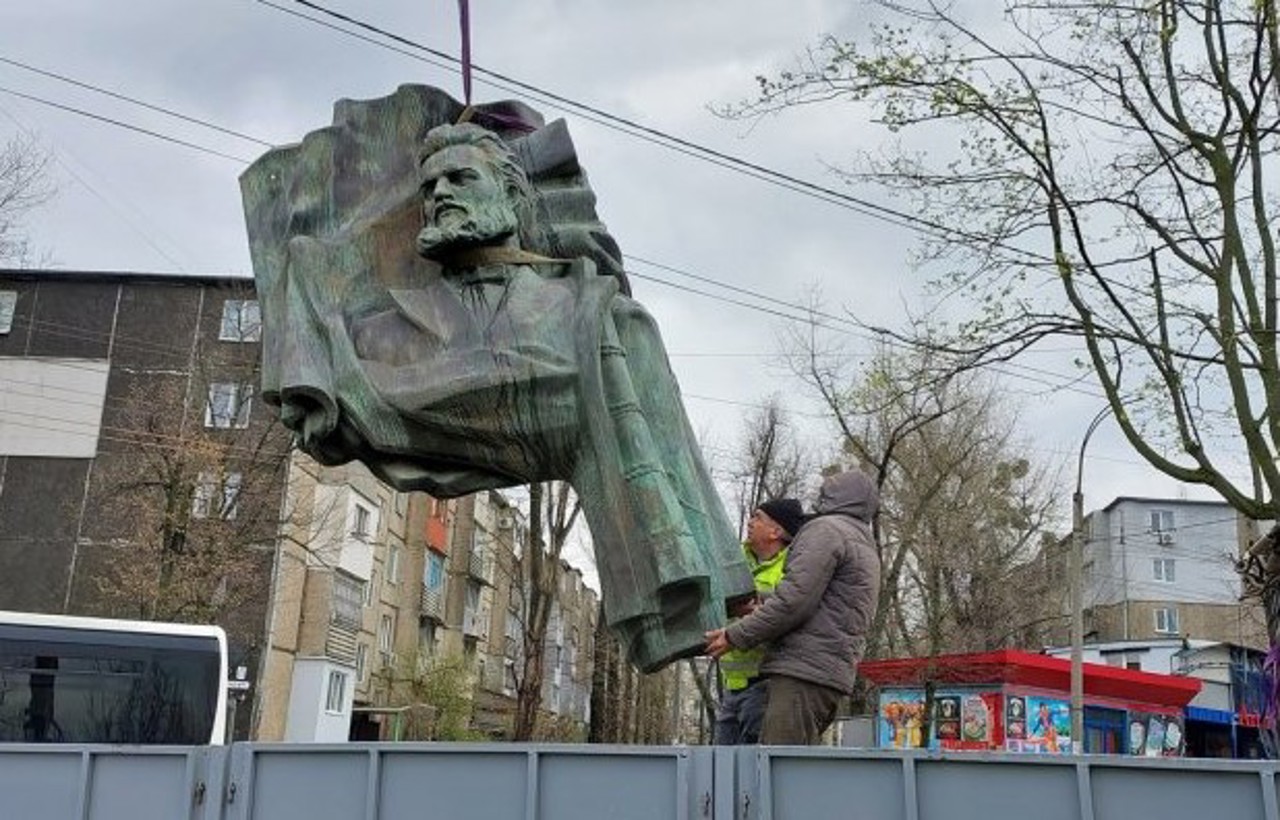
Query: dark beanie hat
x,y
786,511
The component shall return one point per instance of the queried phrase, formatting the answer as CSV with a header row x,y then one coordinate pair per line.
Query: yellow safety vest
x,y
739,666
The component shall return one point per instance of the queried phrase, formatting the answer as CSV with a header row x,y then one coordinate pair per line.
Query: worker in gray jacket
x,y
815,624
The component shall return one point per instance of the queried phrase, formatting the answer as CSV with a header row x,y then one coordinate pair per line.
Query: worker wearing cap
x,y
742,703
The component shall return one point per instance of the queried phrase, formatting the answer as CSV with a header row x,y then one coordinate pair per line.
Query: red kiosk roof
x,y
1010,666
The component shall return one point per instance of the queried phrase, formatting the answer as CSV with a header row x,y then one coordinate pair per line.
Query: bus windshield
x,y
62,684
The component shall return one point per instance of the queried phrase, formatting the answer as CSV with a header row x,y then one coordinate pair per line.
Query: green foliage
x,y
1098,172
445,686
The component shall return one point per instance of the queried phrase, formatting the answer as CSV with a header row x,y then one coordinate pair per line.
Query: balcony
x,y
476,567
433,602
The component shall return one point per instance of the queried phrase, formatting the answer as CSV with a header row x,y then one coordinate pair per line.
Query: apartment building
x,y
1160,568
141,476
494,579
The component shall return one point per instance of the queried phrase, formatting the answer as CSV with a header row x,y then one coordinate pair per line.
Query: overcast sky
x,y
132,202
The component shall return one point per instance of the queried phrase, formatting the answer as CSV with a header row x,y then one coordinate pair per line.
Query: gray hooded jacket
x,y
816,621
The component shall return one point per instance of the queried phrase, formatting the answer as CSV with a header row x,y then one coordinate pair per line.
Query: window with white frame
x,y
214,496
347,594
386,637
1166,619
336,694
8,306
241,321
1162,521
228,405
508,677
393,564
362,662
1162,569
369,590
361,522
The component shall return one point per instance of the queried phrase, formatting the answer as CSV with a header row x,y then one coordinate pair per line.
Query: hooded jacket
x,y
816,622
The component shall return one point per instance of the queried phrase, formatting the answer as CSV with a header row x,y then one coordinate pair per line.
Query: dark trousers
x,y
798,711
740,715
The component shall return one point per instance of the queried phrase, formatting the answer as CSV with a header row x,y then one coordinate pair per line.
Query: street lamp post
x,y
1077,592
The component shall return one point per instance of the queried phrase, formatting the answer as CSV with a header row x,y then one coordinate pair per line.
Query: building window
x,y
435,571
335,697
1166,620
212,496
347,594
228,405
1162,521
369,587
1162,569
8,306
362,662
509,677
386,638
241,321
393,565
362,522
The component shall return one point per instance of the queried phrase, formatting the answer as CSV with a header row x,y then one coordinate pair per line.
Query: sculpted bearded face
x,y
466,202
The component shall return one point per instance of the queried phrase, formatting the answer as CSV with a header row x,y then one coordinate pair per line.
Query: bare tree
x,y
191,513
24,185
553,511
963,511
1107,181
771,462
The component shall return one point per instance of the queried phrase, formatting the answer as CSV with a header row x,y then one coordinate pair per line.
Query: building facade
x,y
141,476
1160,568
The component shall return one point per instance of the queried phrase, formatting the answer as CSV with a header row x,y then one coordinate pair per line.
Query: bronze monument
x,y
441,302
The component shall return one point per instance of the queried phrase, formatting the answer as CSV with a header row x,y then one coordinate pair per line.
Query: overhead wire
x,y
133,100
878,334
654,135
120,124
93,190
1052,380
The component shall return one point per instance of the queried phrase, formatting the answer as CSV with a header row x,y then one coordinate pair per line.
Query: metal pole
x,y
1077,592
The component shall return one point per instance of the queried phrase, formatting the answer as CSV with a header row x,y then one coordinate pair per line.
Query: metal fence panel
x,y
815,784
399,781
109,783
805,786
982,789
465,781
1175,793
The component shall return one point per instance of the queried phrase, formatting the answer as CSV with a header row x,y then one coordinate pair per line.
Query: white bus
x,y
67,679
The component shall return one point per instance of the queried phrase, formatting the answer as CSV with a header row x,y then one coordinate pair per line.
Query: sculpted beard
x,y
458,228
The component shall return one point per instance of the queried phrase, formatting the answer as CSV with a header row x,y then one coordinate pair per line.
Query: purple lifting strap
x,y
464,22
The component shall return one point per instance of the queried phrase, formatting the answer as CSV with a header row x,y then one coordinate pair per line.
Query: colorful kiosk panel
x,y
1020,702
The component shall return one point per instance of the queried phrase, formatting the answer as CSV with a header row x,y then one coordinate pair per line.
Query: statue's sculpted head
x,y
473,191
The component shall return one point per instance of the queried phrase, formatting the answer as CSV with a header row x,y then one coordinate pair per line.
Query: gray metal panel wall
x,y
815,784
380,781
561,782
49,782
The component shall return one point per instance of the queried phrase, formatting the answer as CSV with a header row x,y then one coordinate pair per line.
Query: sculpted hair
x,y
499,157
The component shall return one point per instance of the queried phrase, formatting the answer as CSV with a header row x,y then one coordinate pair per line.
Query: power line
x,y
866,332
126,98
656,136
118,123
84,183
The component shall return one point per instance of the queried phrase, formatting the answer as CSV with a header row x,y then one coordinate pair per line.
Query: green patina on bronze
x,y
449,310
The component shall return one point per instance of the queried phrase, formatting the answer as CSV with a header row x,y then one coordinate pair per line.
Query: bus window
x,y
98,681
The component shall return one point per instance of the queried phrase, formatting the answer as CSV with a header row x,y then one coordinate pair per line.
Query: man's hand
x,y
717,643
